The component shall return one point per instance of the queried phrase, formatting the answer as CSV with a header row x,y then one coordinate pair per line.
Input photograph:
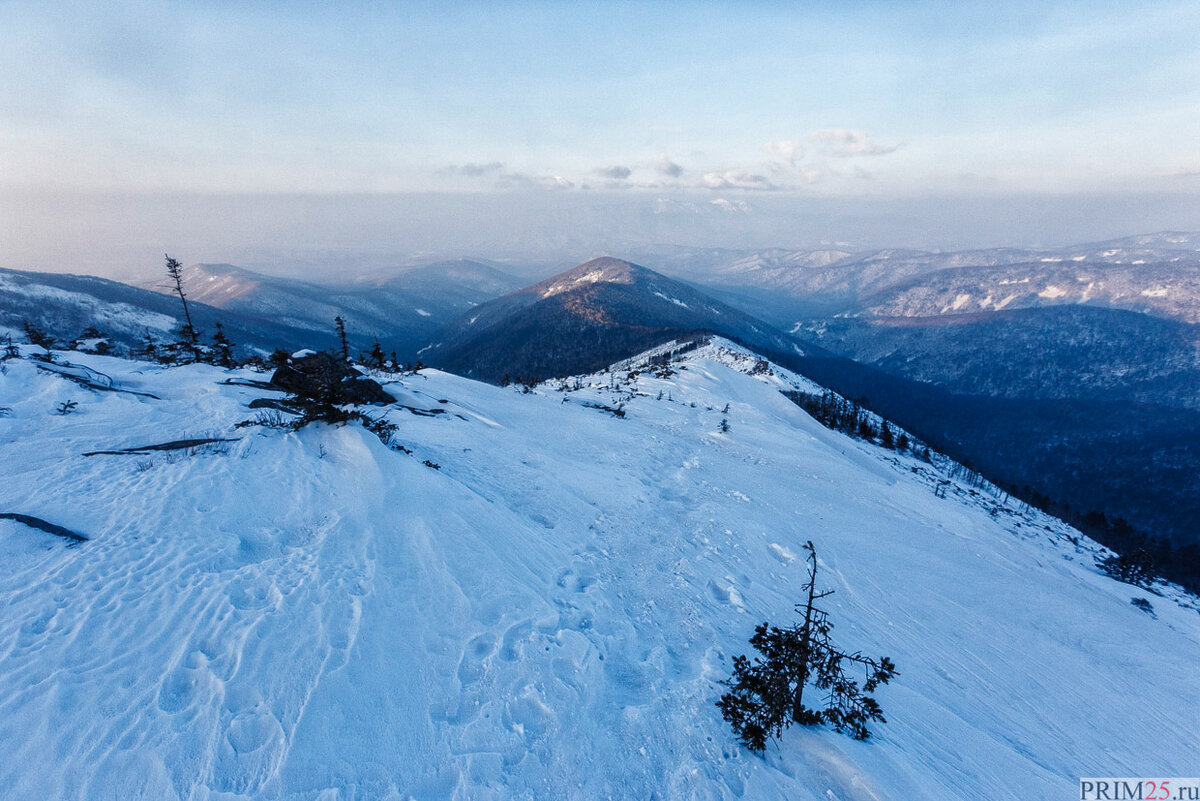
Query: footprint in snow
x,y
33,629
178,690
514,640
253,594
781,553
725,594
471,665
570,580
528,715
250,754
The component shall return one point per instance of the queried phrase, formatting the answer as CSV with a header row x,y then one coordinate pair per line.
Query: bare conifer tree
x,y
339,325
189,333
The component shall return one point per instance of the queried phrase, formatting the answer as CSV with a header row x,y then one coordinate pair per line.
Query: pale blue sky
x,y
871,100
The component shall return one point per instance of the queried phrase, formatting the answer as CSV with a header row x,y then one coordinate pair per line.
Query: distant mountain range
x,y
257,311
400,311
1156,274
65,305
1073,372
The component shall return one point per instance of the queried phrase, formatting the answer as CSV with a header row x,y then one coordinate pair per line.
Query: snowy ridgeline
x,y
311,615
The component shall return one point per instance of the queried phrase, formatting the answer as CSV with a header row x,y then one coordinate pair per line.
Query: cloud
x,y
668,168
735,179
615,172
472,170
731,206
790,151
846,142
519,180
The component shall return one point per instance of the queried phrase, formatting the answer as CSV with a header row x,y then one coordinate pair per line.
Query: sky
x,y
469,124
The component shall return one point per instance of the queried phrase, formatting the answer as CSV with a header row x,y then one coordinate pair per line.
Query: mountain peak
x,y
603,310
603,270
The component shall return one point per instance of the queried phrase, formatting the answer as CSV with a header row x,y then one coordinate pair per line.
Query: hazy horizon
x,y
299,136
125,235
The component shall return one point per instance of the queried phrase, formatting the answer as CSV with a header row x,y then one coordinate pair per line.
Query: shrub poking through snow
x,y
1136,568
321,381
325,389
37,336
8,349
766,695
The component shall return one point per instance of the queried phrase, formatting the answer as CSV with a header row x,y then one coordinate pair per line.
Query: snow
x,y
1052,292
676,301
116,315
424,313
1007,300
590,277
1156,292
311,615
960,300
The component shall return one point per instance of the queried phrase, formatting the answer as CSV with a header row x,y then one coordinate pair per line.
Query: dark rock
x,y
326,378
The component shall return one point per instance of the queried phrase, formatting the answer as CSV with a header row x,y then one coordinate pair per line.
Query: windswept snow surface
x,y
314,616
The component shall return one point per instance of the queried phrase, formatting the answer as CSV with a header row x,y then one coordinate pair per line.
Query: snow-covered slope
x,y
314,616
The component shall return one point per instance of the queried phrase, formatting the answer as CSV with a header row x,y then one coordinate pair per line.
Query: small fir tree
x,y
766,696
147,348
376,357
885,436
9,348
340,325
222,348
37,336
278,358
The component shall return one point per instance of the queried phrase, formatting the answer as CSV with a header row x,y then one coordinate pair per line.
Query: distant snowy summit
x,y
603,310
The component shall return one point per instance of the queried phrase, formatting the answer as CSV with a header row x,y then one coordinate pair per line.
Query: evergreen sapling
x,y
767,695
